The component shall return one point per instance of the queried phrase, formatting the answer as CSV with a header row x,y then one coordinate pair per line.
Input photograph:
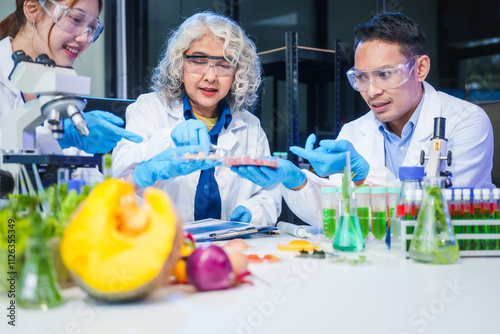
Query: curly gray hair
x,y
237,48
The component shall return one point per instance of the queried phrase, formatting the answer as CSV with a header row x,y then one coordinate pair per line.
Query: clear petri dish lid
x,y
214,153
271,162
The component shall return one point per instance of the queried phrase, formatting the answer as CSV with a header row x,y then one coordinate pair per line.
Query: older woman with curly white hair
x,y
209,73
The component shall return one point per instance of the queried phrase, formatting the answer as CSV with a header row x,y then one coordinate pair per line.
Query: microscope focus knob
x,y
422,157
6,183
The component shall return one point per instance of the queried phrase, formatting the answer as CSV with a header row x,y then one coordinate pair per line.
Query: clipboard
x,y
215,229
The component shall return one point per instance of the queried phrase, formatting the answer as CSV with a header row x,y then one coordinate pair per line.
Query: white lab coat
x,y
153,118
10,99
470,139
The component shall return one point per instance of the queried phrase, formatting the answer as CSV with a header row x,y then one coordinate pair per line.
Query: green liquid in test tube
x,y
329,222
378,224
485,204
379,211
477,214
448,196
467,215
329,203
362,195
392,199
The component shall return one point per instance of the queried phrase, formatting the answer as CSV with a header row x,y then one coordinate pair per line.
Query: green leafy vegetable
x,y
360,260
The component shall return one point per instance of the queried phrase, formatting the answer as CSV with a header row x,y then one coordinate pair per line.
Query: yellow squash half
x,y
118,250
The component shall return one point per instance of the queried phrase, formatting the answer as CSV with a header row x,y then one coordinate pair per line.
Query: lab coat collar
x,y
430,110
7,64
372,142
425,126
227,139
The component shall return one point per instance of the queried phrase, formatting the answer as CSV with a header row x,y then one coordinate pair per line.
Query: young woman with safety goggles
x,y
62,30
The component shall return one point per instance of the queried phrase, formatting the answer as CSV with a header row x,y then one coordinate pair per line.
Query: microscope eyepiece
x,y
439,125
44,59
19,56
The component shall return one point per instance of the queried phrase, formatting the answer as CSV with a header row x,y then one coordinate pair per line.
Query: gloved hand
x,y
191,132
330,157
241,214
287,173
104,133
163,166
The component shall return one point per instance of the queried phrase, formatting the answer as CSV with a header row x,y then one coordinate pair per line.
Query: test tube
x,y
478,214
417,202
362,195
379,211
392,200
476,205
409,207
329,206
496,213
458,214
485,205
467,214
457,200
448,196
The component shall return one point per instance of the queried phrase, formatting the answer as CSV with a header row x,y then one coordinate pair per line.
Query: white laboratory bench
x,y
296,295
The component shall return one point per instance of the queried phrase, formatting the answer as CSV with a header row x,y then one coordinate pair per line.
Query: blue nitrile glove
x,y
241,214
329,158
164,166
191,132
287,173
104,133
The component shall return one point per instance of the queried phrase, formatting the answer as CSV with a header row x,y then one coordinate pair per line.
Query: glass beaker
x,y
348,237
433,240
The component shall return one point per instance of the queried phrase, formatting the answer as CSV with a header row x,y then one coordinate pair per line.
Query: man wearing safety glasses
x,y
63,30
390,66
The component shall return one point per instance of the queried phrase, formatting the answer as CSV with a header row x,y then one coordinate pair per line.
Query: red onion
x,y
208,268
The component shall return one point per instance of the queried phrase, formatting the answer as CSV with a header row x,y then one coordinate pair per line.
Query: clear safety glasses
x,y
73,21
383,78
201,65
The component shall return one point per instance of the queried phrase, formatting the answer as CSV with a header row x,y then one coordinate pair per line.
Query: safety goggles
x,y
383,78
201,65
73,21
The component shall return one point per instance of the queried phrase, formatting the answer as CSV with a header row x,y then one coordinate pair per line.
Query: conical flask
x,y
348,236
433,240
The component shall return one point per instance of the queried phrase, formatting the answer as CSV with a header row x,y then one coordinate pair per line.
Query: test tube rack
x,y
472,240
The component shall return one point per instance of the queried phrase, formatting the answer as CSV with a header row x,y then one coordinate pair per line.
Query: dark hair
x,y
395,28
13,23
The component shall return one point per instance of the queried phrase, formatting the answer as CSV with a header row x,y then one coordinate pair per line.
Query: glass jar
x,y
433,240
39,288
348,237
